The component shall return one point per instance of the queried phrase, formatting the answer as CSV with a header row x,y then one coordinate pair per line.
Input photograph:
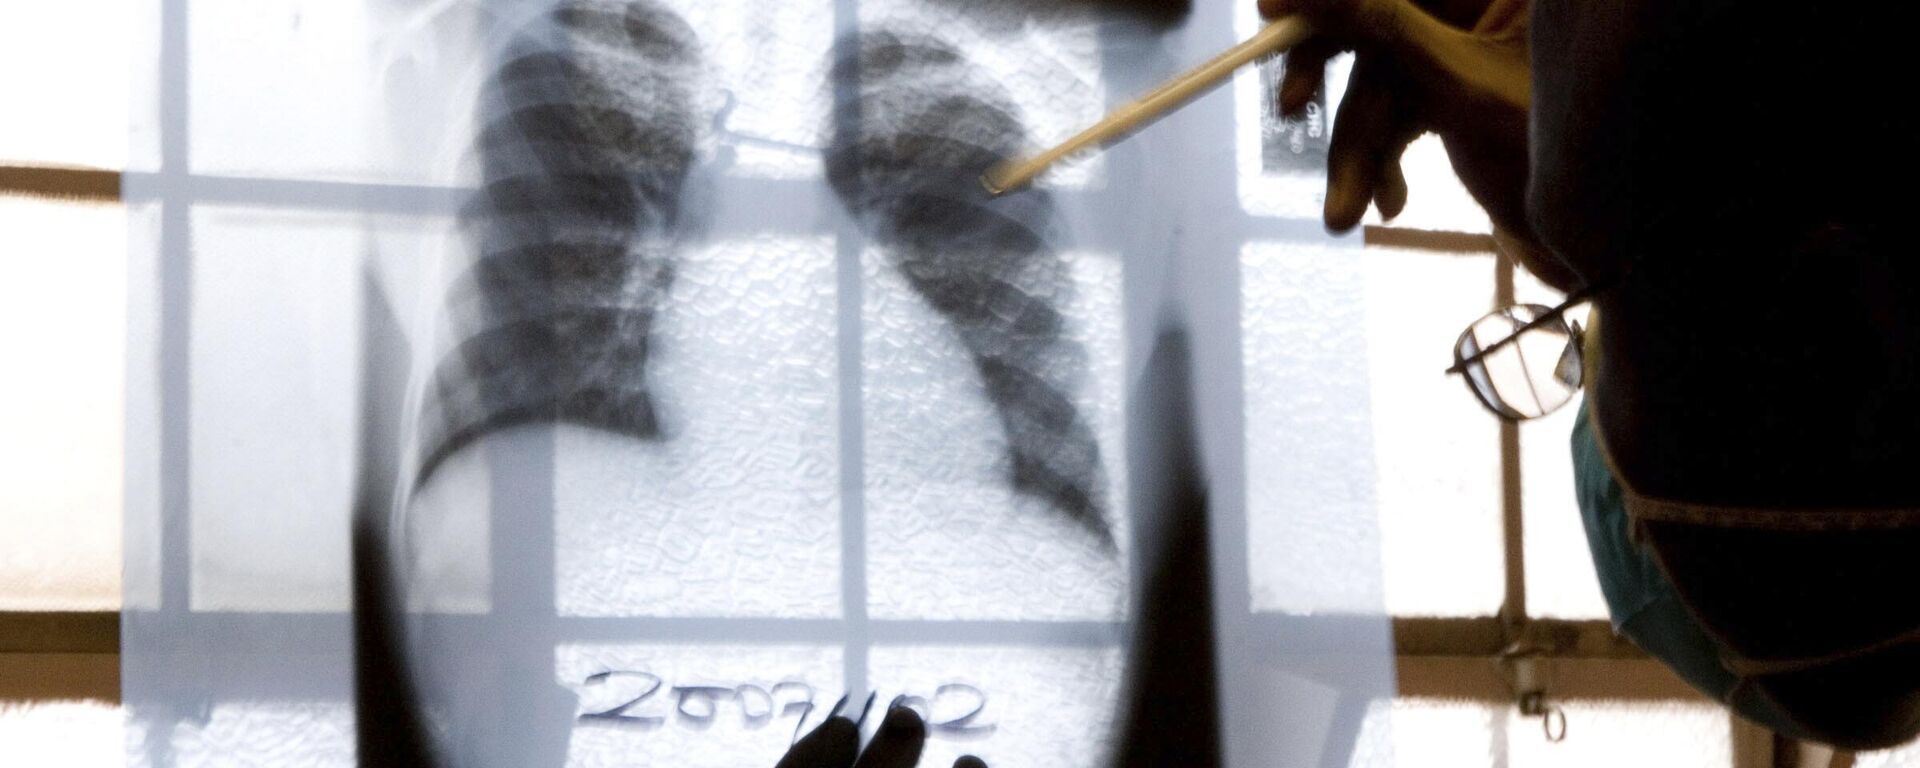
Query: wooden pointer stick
x,y
1276,37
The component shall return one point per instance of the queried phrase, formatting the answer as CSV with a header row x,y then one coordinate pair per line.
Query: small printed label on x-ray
x,y
1296,145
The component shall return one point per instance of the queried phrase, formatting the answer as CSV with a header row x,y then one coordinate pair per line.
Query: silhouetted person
x,y
1746,469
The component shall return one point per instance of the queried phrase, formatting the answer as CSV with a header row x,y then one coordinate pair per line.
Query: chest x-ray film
x,y
625,382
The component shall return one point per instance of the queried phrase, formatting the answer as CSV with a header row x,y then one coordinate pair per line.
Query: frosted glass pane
x,y
274,393
1435,197
1047,59
1561,581
737,512
1620,733
1312,495
295,734
63,325
1031,706
79,734
274,404
66,88
1350,415
326,57
763,80
1282,168
1898,757
1282,164
728,722
1423,732
1438,451
140,520
947,536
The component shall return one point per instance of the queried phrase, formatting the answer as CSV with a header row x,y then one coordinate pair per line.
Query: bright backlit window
x,y
161,350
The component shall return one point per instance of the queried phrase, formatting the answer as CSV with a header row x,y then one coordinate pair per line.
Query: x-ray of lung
x,y
914,123
575,295
704,385
586,136
587,130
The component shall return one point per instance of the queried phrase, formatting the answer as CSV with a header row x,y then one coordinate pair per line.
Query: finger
x,y
969,761
832,745
1304,68
1390,189
1362,130
864,709
898,744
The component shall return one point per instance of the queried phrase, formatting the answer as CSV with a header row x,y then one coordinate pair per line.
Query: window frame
x,y
47,656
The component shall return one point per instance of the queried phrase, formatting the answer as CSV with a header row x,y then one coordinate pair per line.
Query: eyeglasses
x,y
1523,361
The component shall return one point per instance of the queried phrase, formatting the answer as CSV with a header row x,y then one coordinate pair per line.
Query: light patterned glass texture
x,y
1420,731
1907,756
299,734
63,326
1053,706
738,512
328,59
1312,505
947,538
274,403
78,734
1437,453
274,396
71,94
1353,432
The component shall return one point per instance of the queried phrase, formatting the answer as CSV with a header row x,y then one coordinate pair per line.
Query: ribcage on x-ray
x,y
588,130
589,127
914,125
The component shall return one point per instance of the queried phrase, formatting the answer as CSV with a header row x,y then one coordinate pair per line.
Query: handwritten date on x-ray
x,y
631,699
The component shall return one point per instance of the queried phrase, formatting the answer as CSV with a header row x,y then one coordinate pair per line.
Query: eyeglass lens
x,y
1533,376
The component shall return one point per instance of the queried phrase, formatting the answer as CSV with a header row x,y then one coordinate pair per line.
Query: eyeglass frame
x,y
1558,313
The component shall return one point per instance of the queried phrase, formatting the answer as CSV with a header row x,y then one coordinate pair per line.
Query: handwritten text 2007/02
x,y
633,699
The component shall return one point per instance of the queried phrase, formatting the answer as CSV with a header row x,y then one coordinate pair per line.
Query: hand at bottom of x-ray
x,y
836,744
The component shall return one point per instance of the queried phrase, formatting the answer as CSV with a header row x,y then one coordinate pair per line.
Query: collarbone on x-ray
x,y
590,125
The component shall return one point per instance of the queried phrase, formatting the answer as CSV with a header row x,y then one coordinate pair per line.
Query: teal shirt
x,y
1641,601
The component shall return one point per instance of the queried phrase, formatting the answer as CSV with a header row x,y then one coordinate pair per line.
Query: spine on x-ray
x,y
587,135
914,125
